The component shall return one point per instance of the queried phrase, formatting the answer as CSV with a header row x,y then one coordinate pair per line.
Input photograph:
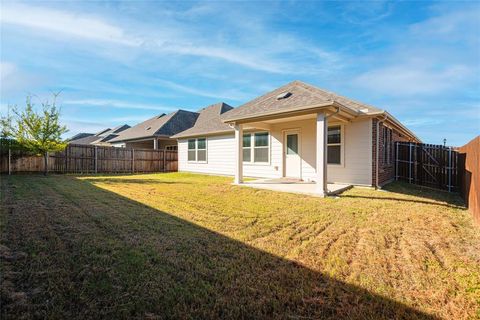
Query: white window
x,y
334,145
171,148
197,150
256,147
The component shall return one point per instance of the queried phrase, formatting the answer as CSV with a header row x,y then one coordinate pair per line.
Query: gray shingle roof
x,y
301,95
85,140
162,125
114,131
80,136
208,121
102,136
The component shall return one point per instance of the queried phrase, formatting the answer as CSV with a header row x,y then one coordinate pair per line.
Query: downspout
x,y
377,153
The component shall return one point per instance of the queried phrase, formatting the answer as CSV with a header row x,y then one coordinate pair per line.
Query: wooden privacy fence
x,y
84,159
470,178
429,165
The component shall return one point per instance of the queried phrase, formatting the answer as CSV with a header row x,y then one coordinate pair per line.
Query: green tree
x,y
38,132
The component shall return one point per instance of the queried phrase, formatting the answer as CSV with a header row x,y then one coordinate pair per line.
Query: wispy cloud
x,y
75,126
421,122
266,55
450,26
428,59
230,94
83,26
413,79
13,80
116,104
359,13
129,119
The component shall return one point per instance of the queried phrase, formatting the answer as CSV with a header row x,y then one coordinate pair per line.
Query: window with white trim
x,y
334,145
256,147
171,148
197,150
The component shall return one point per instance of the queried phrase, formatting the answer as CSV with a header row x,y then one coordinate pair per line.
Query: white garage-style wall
x,y
356,147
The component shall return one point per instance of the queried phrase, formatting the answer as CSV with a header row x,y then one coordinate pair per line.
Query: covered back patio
x,y
296,186
298,153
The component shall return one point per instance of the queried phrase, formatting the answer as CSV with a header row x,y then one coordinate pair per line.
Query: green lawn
x,y
189,246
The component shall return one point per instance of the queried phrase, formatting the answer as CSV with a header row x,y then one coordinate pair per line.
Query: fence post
x,y
410,162
96,166
9,161
449,169
396,161
66,160
420,163
164,161
133,160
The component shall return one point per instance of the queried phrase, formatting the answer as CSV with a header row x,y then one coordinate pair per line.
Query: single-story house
x,y
155,132
101,138
297,131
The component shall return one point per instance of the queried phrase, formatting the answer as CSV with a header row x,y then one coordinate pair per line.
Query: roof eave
x,y
293,112
396,122
209,133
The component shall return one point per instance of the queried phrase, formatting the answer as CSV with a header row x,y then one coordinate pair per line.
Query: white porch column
x,y
155,144
238,154
321,151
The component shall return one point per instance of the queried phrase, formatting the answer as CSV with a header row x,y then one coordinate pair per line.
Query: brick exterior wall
x,y
386,166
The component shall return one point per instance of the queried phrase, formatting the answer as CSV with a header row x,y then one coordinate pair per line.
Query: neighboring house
x,y
101,138
208,122
80,136
297,131
155,132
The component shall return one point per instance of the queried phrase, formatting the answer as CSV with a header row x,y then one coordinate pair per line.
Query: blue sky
x,y
123,62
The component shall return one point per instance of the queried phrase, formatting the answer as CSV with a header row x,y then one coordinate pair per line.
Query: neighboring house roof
x,y
115,130
80,136
162,125
84,140
208,121
101,138
292,95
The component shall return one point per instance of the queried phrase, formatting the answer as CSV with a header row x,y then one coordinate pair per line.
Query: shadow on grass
x,y
429,195
132,260
133,181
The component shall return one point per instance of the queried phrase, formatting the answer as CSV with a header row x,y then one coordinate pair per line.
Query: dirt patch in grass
x,y
192,246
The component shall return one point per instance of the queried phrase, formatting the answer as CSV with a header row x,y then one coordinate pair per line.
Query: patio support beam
x,y
259,125
342,118
238,154
155,144
321,151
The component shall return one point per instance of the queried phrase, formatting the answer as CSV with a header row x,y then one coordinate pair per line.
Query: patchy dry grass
x,y
191,246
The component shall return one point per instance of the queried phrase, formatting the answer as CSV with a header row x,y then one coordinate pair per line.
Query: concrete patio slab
x,y
295,186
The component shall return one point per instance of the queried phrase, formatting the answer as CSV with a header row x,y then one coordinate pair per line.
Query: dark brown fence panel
x,y
85,159
429,165
469,162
